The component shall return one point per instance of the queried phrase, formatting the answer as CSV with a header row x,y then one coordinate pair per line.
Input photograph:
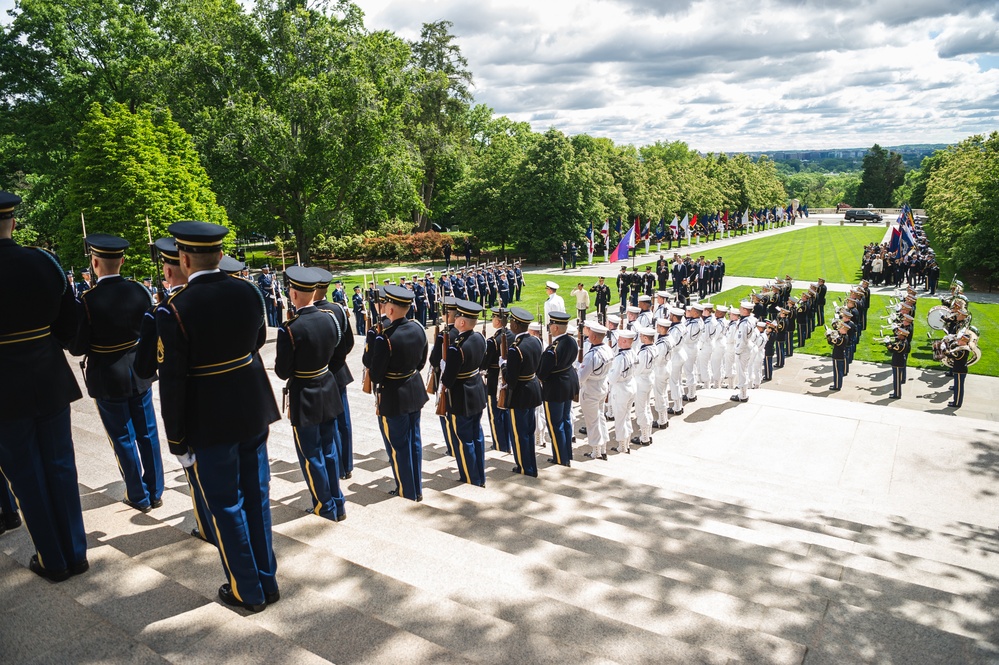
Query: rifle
x,y
442,395
366,381
503,395
432,376
579,356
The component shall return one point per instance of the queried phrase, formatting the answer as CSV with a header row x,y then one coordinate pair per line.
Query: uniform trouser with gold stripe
x,y
958,388
499,426
7,505
37,459
346,437
202,516
235,480
318,448
839,369
448,435
897,380
522,425
401,435
559,417
470,447
130,424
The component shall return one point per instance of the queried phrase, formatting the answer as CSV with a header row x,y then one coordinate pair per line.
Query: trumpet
x,y
833,335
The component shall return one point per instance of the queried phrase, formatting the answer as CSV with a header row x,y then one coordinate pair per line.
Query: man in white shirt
x,y
582,301
554,303
622,389
593,373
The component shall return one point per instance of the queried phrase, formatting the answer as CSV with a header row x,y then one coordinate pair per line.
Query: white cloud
x,y
727,75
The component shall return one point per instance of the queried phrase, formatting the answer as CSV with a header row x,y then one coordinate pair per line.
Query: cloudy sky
x,y
727,74
731,74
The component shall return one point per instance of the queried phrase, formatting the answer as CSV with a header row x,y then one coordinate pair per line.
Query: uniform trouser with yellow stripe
x,y
499,426
401,435
345,436
201,514
318,448
37,459
559,417
839,369
448,435
897,380
522,425
235,479
958,388
130,424
470,448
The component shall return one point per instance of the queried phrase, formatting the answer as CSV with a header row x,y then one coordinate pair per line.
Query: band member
x,y
593,373
217,408
559,385
466,394
960,353
899,348
621,380
520,372
111,315
499,419
36,438
338,366
305,347
394,357
838,342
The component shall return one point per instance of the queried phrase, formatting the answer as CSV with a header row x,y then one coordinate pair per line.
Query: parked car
x,y
855,215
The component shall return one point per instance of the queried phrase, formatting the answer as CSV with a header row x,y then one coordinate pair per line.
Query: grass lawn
x,y
986,319
829,252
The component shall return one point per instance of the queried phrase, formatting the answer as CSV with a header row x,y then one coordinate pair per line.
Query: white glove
x,y
186,460
443,365
502,363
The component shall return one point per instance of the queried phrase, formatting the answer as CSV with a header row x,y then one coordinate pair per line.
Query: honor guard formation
x,y
199,335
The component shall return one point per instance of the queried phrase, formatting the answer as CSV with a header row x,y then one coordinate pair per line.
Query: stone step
x,y
466,586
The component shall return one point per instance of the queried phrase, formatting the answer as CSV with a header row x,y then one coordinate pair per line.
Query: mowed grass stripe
x,y
985,318
829,252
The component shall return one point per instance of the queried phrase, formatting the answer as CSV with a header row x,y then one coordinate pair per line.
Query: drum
x,y
935,317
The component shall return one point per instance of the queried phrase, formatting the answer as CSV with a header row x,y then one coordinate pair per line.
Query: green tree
x,y
134,167
440,128
962,195
883,172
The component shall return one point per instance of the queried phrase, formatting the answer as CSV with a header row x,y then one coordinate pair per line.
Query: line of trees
x,y
292,119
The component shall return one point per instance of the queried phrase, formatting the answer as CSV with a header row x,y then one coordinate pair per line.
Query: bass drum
x,y
935,317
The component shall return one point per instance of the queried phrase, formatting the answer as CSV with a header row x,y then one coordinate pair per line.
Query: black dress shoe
x,y
614,449
636,441
229,598
692,399
551,460
51,575
197,534
951,404
394,492
609,417
157,503
894,396
271,598
604,457
11,520
582,430
685,398
141,509
419,498
744,399
590,455
346,476
515,469
532,474
79,568
341,516
734,398
574,439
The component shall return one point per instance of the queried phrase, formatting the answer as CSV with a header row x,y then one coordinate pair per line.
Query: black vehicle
x,y
861,216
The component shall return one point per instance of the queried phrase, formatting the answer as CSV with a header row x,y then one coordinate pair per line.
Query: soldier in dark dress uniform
x,y
559,386
145,366
85,284
305,347
36,441
357,304
960,355
340,371
499,419
449,332
394,359
466,394
217,406
899,348
111,315
838,343
268,287
602,299
520,373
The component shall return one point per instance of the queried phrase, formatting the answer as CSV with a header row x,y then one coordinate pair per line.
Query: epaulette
x,y
174,294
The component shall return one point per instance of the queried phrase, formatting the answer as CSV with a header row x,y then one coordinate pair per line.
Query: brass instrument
x,y
832,334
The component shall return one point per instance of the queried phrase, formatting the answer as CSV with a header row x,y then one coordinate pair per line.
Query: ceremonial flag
x,y
745,218
638,230
589,238
661,229
623,247
896,235
605,231
724,224
675,224
685,222
648,229
908,240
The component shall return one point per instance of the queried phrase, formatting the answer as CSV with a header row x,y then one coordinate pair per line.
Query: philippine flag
x,y
623,247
